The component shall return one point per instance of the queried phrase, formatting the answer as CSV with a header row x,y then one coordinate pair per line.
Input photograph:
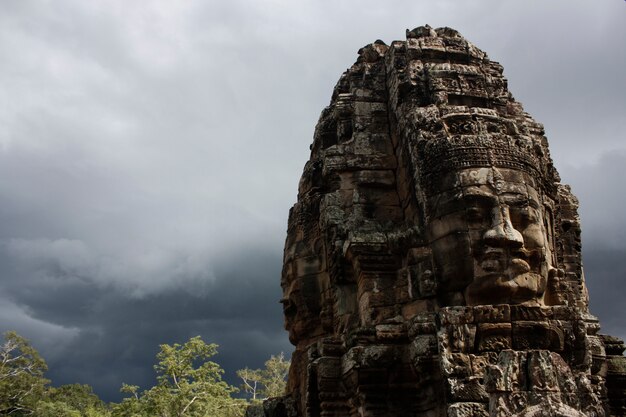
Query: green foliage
x,y
50,408
251,382
22,383
275,374
188,384
75,398
46,408
131,406
268,382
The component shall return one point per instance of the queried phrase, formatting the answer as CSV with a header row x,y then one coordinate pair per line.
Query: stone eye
x,y
520,216
289,308
475,214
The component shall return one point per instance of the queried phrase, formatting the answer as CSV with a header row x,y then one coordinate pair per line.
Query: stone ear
x,y
567,287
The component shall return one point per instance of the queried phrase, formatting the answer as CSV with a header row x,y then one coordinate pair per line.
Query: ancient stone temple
x,y
433,260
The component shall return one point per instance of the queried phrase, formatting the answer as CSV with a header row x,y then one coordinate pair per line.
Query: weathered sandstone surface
x,y
433,260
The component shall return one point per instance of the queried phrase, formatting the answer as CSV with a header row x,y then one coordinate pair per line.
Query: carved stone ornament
x,y
433,260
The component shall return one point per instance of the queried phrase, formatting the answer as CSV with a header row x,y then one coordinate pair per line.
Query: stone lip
x,y
425,179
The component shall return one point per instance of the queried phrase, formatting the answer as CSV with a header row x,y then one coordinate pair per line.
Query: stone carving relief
x,y
432,264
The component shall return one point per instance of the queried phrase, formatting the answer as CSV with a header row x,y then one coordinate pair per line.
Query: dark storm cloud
x,y
119,334
149,154
604,271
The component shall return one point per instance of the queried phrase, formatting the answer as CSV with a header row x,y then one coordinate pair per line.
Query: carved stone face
x,y
300,307
290,301
490,232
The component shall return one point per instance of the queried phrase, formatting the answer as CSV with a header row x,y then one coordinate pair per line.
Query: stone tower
x,y
433,260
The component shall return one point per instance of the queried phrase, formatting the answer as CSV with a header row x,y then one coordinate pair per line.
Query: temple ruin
x,y
433,259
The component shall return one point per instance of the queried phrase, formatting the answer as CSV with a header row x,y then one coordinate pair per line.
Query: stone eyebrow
x,y
524,202
519,202
477,199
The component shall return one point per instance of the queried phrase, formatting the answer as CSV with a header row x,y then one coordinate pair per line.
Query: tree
x,y
132,406
188,384
22,383
268,382
69,400
276,370
55,409
251,381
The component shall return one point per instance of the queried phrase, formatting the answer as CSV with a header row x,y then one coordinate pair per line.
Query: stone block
x,y
456,315
519,312
479,363
492,313
414,308
541,372
328,367
457,338
467,389
423,323
468,409
456,364
494,337
424,345
332,385
391,332
508,374
537,335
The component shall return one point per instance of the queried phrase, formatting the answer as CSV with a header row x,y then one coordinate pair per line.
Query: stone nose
x,y
502,232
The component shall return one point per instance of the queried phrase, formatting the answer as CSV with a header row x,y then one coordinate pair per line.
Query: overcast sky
x,y
150,151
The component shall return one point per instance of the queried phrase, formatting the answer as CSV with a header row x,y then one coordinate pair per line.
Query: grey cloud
x,y
599,186
54,338
50,264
